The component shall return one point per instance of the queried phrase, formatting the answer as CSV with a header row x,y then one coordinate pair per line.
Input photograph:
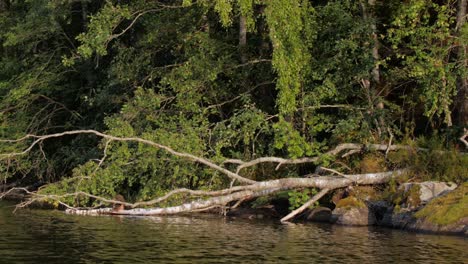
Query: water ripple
x,y
52,237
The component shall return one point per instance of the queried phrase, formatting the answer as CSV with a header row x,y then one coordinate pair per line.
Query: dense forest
x,y
226,80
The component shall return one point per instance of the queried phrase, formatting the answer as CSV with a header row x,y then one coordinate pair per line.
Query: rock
x,y
423,225
357,216
320,214
407,221
380,209
445,214
353,211
429,190
396,220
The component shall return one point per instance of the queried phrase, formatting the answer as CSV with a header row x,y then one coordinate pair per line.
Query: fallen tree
x,y
205,200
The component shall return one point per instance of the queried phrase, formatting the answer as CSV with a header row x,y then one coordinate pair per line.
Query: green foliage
x,y
260,201
298,198
438,163
174,73
101,29
286,135
290,56
421,36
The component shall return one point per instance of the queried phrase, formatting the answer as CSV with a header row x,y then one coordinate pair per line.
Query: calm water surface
x,y
38,236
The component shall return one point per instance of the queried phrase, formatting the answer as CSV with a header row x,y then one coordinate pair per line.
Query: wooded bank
x,y
148,98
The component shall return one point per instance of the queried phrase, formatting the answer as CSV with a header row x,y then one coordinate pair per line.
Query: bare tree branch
x,y
305,206
353,147
463,138
201,160
248,192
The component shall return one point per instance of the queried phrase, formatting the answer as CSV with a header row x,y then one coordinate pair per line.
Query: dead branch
x,y
463,138
248,192
217,198
305,206
38,139
184,208
352,147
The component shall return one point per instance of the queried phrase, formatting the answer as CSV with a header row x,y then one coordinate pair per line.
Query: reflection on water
x,y
34,236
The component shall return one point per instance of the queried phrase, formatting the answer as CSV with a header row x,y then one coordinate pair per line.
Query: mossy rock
x,y
365,193
350,202
447,209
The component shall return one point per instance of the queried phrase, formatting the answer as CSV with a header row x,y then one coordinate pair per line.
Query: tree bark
x,y
254,190
462,83
243,37
369,14
219,198
368,10
84,13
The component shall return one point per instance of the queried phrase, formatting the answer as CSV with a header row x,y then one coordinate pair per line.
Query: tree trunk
x,y
254,190
243,37
84,14
373,87
461,102
262,27
369,14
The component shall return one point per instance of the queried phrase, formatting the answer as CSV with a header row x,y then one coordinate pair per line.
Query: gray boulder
x,y
320,214
406,220
356,216
429,190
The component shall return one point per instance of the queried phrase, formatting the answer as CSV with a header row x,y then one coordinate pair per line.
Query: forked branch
x,y
39,139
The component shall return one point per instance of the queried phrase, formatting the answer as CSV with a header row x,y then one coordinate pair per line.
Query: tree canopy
x,y
219,79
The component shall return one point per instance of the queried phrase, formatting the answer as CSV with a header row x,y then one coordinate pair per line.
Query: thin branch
x,y
73,113
305,206
345,106
342,106
332,171
463,138
346,146
389,143
351,152
104,155
239,96
252,62
39,197
114,36
201,160
140,14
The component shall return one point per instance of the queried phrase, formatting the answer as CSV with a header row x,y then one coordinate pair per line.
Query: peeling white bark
x,y
254,190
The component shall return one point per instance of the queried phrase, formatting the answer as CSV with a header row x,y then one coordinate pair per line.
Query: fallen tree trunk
x,y
247,189
251,191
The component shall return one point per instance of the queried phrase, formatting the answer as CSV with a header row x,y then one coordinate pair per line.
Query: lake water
x,y
40,236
